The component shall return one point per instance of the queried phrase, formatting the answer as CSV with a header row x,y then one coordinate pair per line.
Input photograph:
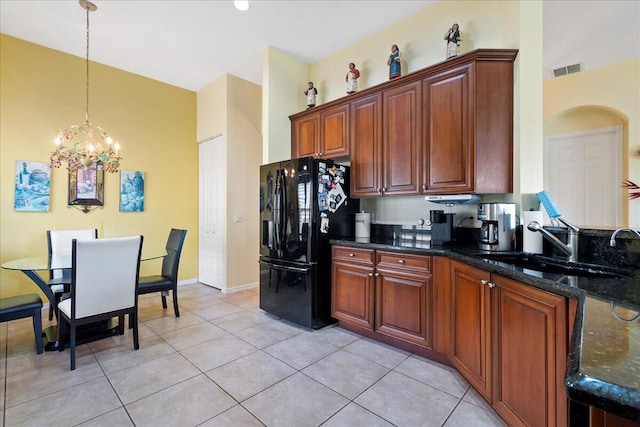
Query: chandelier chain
x,y
87,66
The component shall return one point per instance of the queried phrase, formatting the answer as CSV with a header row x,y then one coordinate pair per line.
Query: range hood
x,y
453,199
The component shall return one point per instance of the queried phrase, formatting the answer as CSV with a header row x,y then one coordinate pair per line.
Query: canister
x,y
363,225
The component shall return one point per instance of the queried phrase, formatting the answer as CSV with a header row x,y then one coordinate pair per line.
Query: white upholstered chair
x,y
59,243
104,276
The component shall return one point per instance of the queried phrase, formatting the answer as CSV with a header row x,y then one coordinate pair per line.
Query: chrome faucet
x,y
612,242
571,248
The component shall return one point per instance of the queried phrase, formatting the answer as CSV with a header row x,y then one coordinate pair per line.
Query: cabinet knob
x,y
484,282
384,189
351,254
401,261
424,187
377,274
370,274
491,285
320,154
378,189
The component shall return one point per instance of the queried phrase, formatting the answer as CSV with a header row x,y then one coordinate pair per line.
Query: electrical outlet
x,y
237,218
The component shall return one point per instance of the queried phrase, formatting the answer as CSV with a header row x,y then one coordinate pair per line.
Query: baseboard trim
x,y
235,288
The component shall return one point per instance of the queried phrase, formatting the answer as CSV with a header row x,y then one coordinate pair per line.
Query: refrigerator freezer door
x,y
287,291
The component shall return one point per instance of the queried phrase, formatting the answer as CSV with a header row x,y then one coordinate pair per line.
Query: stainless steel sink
x,y
554,266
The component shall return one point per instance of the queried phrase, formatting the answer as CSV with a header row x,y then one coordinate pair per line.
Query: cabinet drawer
x,y
355,255
396,260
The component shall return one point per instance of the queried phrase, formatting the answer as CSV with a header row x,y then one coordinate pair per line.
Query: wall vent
x,y
569,69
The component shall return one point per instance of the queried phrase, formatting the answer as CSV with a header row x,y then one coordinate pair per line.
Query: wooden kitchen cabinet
x,y
471,325
385,135
447,141
334,132
401,136
352,286
468,127
323,133
509,340
366,146
389,294
530,347
445,129
404,297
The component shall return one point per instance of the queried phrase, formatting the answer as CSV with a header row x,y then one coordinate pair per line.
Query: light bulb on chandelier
x,y
82,145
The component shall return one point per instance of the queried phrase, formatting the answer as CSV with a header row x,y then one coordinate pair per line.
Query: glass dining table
x,y
32,267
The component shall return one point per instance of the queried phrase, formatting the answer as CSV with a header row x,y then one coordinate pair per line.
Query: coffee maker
x,y
442,229
497,232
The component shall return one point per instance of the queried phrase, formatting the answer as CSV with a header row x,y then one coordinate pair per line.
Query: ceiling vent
x,y
569,69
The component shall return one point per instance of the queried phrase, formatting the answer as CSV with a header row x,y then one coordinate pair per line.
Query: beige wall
x,y
600,97
244,108
231,106
284,81
484,24
43,90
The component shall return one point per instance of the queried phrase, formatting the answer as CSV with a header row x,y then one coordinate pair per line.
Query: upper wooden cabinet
x,y
445,129
305,136
401,138
323,133
468,128
366,150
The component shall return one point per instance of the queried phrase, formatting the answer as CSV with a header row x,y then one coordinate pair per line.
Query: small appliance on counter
x,y
363,225
497,231
442,229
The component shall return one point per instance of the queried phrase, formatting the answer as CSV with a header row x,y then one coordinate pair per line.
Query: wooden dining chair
x,y
21,306
104,274
167,280
59,243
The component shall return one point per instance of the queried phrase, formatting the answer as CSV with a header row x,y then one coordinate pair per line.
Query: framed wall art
x,y
86,187
33,186
131,191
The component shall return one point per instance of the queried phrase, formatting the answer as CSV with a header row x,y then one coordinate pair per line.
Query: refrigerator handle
x,y
286,267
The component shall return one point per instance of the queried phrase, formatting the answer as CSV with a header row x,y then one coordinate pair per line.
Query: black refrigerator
x,y
304,203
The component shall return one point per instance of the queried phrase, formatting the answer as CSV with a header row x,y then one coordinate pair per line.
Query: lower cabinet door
x,y
471,326
352,294
403,306
530,354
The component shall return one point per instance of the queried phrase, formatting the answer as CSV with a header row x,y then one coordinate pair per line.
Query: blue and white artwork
x,y
33,186
131,191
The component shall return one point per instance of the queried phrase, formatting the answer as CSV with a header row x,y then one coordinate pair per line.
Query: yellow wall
x,y
599,97
43,90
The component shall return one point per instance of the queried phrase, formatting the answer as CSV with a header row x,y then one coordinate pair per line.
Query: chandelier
x,y
83,145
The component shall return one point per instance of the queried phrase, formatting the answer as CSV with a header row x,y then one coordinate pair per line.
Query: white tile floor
x,y
225,362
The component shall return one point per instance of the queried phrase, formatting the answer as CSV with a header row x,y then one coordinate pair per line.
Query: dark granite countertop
x,y
603,367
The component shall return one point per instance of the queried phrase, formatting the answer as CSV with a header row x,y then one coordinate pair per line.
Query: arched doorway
x,y
584,165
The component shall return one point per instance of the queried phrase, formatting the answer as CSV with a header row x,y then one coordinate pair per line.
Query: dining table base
x,y
84,334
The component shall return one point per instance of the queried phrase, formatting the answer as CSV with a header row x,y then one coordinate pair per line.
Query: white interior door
x,y
583,174
212,205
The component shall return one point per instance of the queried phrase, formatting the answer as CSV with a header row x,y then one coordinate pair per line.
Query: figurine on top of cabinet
x,y
311,93
452,36
394,62
352,78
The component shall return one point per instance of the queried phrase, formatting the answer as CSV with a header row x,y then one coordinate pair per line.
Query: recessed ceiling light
x,y
241,5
